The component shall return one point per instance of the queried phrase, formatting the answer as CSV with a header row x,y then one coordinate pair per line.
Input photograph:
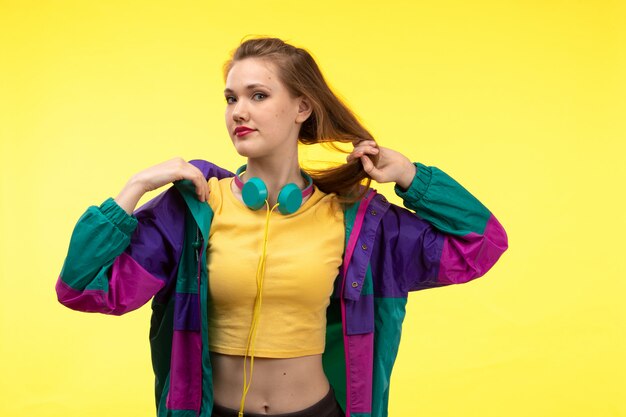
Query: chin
x,y
247,151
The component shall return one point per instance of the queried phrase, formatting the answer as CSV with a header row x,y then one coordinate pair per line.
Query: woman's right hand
x,y
159,175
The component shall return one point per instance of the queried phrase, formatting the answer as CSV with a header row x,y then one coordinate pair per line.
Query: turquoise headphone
x,y
254,192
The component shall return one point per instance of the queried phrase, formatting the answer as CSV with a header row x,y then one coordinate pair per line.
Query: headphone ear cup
x,y
254,193
289,199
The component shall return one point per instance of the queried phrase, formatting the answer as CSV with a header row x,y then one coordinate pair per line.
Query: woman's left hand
x,y
383,164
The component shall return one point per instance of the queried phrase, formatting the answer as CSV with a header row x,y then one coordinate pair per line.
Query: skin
x,y
256,98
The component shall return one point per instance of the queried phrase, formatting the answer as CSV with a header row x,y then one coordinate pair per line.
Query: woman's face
x,y
256,99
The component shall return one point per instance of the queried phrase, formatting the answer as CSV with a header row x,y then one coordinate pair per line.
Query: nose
x,y
240,111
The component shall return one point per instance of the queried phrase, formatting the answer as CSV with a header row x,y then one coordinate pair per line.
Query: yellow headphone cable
x,y
260,274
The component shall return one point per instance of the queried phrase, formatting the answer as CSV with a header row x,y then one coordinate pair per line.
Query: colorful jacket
x,y
117,262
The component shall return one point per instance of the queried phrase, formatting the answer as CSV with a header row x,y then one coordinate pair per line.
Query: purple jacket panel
x,y
157,242
407,254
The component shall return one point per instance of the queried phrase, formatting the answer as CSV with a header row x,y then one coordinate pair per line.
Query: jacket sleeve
x,y
117,262
451,238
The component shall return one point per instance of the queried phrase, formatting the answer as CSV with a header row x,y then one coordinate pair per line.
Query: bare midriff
x,y
278,385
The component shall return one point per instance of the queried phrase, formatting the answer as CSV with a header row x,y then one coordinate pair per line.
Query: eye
x,y
259,96
230,99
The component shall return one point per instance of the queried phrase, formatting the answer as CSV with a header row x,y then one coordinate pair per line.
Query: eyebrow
x,y
249,87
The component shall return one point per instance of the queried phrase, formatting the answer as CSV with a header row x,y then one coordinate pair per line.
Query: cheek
x,y
281,113
228,119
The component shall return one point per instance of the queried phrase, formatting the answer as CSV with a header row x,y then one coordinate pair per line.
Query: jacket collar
x,y
201,211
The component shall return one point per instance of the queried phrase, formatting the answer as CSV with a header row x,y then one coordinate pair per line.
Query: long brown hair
x,y
331,121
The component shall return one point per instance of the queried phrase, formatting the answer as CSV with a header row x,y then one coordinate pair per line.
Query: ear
x,y
304,110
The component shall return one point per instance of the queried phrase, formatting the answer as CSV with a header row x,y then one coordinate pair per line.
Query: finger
x,y
199,183
205,190
361,142
353,155
368,145
357,153
360,151
200,191
371,149
368,166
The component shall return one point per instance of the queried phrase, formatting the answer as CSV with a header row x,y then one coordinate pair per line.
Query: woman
x,y
277,291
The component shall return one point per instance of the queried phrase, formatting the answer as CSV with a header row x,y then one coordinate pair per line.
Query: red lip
x,y
242,130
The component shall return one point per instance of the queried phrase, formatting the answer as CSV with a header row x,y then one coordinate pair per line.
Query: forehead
x,y
251,71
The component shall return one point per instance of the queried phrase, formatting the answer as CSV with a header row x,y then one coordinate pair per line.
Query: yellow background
x,y
523,102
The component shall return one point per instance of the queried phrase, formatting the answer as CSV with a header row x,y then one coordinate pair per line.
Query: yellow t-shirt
x,y
304,252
